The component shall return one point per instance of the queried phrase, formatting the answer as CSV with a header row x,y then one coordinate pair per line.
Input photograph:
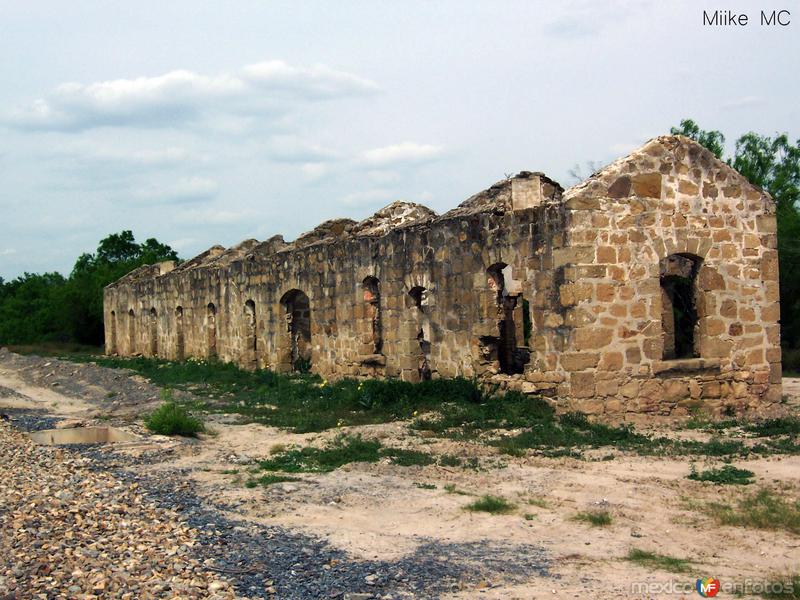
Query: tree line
x,y
49,307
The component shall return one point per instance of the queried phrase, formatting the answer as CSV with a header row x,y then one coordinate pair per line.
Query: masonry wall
x,y
549,294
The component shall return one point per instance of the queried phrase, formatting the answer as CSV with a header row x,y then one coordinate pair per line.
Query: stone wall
x,y
584,296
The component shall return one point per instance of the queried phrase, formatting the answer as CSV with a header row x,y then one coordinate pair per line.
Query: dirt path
x,y
400,530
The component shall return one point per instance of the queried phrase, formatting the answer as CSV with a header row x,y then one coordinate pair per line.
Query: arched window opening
x,y
211,329
297,312
113,341
131,332
251,336
509,305
372,298
180,349
153,332
678,274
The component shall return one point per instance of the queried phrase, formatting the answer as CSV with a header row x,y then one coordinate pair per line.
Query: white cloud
x,y
292,149
182,243
7,251
368,198
318,80
315,170
744,102
405,152
188,189
181,96
213,216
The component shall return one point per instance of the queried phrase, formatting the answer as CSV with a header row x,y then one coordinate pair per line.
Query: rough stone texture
x,y
409,294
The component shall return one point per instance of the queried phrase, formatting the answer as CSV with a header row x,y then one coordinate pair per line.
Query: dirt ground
x,y
382,511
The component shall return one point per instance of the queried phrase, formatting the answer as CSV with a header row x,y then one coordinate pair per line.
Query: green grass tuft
x,y
266,480
651,560
172,419
344,449
599,518
762,510
491,504
725,475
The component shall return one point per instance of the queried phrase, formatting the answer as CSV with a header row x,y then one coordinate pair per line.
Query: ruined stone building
x,y
650,287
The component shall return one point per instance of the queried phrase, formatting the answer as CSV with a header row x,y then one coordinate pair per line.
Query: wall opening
x,y
211,329
420,297
372,298
180,348
113,341
297,312
678,275
153,332
131,332
509,305
250,333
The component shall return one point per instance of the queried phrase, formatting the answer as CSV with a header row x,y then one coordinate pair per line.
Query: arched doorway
x,y
112,349
297,312
153,332
211,329
131,332
180,349
372,298
250,333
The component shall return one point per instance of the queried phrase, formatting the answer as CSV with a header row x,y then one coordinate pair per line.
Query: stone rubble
x,y
72,532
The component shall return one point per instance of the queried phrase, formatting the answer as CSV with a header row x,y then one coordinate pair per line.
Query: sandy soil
x,y
380,511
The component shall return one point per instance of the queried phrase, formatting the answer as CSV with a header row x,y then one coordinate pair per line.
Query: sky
x,y
202,123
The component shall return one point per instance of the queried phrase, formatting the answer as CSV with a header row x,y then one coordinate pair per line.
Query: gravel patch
x,y
73,531
270,561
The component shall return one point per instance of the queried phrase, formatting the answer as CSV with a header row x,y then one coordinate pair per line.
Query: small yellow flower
x,y
414,413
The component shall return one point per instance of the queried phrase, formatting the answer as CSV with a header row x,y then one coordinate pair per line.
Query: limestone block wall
x,y
650,287
669,200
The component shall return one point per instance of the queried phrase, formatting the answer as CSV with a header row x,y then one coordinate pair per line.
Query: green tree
x,y
48,307
713,140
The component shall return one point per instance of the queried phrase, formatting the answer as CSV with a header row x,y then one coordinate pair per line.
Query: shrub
x,y
762,510
726,475
491,504
172,419
599,518
658,561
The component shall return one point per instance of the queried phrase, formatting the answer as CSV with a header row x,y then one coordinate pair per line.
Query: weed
x,y
111,394
266,480
775,427
599,518
529,516
540,502
408,458
451,488
491,504
277,448
341,451
651,560
762,510
172,419
448,460
425,486
229,472
725,475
